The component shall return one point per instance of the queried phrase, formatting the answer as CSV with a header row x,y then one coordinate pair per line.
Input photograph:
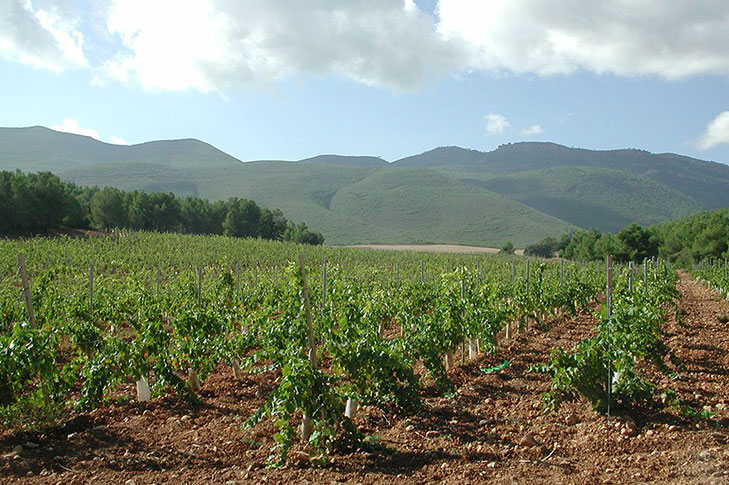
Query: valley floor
x,y
492,431
433,248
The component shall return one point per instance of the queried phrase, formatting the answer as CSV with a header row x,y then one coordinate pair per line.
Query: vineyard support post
x,y
630,276
645,275
91,287
609,310
524,319
26,291
199,284
237,278
463,300
422,271
397,273
323,284
159,279
306,425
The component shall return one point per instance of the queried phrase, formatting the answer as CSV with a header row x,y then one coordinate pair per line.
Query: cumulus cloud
x,y
213,44
117,140
41,34
532,130
496,124
672,39
717,132
70,125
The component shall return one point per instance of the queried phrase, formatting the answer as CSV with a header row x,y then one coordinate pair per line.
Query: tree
x,y
543,249
507,248
638,242
610,245
107,209
273,224
301,234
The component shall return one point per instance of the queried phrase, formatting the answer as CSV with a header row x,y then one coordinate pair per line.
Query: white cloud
x,y
70,125
214,44
670,39
117,140
532,130
717,132
496,124
41,34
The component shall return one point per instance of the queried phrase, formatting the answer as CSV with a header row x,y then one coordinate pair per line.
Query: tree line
x,y
682,241
36,203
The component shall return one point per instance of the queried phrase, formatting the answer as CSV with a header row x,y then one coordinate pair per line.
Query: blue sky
x,y
390,78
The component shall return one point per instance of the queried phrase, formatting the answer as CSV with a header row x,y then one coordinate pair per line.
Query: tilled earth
x,y
492,430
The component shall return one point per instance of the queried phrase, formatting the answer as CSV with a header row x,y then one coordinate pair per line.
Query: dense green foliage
x,y
603,368
166,306
684,241
695,238
36,203
632,243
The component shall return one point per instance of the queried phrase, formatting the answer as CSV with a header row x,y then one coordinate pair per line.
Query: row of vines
x,y
346,328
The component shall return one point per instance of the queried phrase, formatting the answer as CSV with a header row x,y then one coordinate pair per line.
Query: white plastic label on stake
x,y
350,410
143,392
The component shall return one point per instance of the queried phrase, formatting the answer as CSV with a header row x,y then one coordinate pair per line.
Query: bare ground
x,y
433,248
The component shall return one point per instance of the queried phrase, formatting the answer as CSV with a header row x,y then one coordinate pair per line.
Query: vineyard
x,y
205,358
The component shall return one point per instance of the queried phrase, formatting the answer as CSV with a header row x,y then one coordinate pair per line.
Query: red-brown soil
x,y
478,436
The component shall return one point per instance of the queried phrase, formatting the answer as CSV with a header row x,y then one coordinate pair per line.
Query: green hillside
x,y
521,192
38,148
430,208
605,199
350,161
706,182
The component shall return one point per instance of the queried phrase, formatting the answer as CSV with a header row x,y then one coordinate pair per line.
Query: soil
x,y
492,430
433,248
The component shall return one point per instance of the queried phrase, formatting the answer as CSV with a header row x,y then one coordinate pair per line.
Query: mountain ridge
x,y
520,191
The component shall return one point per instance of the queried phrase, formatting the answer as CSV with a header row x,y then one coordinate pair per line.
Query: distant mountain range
x,y
519,192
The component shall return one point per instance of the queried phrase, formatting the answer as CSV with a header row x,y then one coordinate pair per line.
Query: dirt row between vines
x,y
492,430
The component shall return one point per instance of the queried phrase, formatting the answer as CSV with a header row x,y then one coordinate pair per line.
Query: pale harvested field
x,y
432,248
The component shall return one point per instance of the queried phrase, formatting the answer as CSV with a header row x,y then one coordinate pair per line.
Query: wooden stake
x,y
199,284
159,280
630,276
306,425
26,291
609,290
91,287
323,284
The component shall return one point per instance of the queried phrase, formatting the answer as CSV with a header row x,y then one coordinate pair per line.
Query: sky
x,y
282,79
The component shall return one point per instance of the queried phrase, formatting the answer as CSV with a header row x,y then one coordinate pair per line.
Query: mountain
x,y
706,182
38,148
593,196
348,161
520,192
